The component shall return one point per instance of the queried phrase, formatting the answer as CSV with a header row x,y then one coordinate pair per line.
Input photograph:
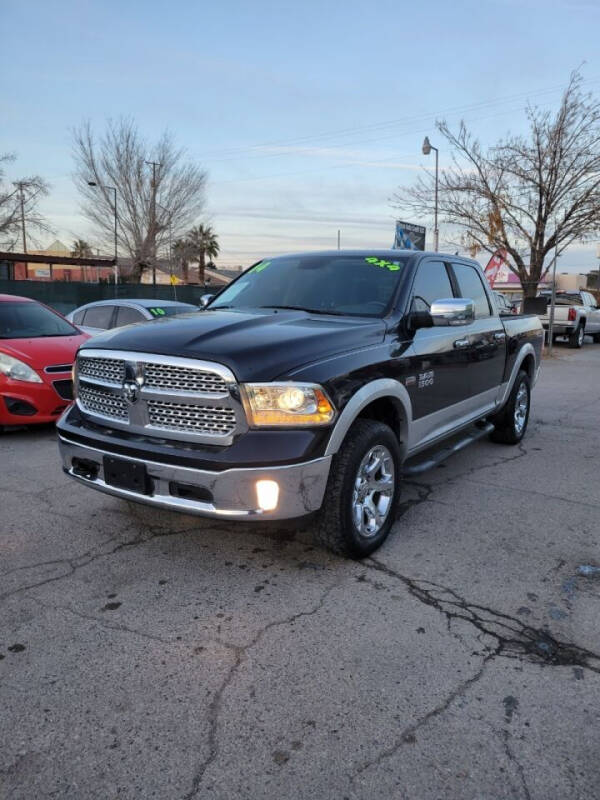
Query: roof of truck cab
x,y
378,251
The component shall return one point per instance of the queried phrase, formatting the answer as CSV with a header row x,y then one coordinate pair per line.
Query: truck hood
x,y
259,345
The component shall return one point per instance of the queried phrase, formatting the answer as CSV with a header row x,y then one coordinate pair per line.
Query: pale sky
x,y
307,116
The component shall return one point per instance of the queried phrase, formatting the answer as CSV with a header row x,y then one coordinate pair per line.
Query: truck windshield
x,y
26,320
355,285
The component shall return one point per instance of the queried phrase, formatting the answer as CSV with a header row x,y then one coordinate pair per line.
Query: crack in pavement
x,y
107,624
518,766
408,734
74,563
514,638
241,653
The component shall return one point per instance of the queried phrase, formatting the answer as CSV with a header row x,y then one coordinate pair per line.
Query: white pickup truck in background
x,y
576,315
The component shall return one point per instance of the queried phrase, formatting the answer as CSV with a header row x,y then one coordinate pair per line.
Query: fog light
x,y
268,495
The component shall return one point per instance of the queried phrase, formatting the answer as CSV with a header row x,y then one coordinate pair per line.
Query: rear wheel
x,y
512,421
577,337
596,338
362,491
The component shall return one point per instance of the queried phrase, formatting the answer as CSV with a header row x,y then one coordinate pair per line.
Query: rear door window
x,y
431,283
98,317
126,315
471,287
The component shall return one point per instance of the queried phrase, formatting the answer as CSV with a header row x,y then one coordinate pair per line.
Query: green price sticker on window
x,y
157,312
392,266
260,267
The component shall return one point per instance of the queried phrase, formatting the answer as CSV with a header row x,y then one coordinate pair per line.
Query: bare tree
x,y
149,200
19,211
526,194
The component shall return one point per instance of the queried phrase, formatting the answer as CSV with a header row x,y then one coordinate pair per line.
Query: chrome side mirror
x,y
205,299
453,311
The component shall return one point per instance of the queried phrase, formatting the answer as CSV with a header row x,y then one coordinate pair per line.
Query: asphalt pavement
x,y
145,654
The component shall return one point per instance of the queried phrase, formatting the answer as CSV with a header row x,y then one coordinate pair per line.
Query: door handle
x,y
461,343
499,335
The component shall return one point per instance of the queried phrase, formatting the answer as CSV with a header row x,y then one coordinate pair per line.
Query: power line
x,y
233,153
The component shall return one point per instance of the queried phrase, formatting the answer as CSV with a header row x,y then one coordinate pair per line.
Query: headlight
x,y
289,404
17,370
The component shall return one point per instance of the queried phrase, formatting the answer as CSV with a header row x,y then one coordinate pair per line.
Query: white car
x,y
95,318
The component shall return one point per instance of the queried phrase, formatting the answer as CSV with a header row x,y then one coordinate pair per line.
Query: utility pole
x,y
154,165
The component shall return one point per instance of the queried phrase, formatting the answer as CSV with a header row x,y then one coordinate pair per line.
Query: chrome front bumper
x,y
233,491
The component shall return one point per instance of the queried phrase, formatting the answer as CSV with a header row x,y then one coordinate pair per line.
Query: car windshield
x,y
23,320
356,285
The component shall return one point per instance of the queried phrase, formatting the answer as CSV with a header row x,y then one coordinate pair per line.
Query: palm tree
x,y
203,242
182,253
81,249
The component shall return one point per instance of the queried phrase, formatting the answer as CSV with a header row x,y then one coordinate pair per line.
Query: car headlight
x,y
288,404
17,370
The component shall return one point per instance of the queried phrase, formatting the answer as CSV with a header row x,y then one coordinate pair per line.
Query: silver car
x,y
95,318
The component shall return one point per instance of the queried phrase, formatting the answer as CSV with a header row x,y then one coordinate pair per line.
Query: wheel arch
x,y
525,356
385,400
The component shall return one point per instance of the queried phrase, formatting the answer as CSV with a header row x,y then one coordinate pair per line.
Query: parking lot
x,y
153,655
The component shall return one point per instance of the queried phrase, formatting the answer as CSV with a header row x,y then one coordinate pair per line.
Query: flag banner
x,y
493,266
409,236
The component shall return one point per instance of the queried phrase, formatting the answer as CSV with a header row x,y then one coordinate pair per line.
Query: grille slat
x,y
98,401
111,370
183,379
188,417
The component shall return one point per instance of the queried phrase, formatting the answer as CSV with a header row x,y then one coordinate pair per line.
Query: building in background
x,y
64,272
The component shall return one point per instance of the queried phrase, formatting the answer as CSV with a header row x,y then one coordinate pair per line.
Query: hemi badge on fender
x,y
410,381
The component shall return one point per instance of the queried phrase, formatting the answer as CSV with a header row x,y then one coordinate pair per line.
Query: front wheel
x,y
362,492
511,422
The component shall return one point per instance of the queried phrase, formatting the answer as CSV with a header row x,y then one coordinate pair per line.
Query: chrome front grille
x,y
109,370
100,401
155,395
184,417
183,379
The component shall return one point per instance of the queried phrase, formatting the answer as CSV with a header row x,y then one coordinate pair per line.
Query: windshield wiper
x,y
308,310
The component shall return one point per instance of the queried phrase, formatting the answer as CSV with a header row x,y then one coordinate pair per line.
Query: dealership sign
x,y
409,236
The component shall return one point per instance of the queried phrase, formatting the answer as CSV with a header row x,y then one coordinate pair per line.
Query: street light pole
x,y
427,148
552,301
112,189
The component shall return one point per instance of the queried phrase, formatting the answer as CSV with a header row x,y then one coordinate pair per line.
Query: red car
x,y
37,350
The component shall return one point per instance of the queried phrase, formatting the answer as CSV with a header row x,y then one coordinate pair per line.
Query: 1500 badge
x,y
425,379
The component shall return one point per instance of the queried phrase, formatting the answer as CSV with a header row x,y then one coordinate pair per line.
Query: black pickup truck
x,y
309,384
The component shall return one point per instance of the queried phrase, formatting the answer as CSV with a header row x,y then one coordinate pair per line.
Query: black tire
x,y
336,528
507,429
596,338
577,337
